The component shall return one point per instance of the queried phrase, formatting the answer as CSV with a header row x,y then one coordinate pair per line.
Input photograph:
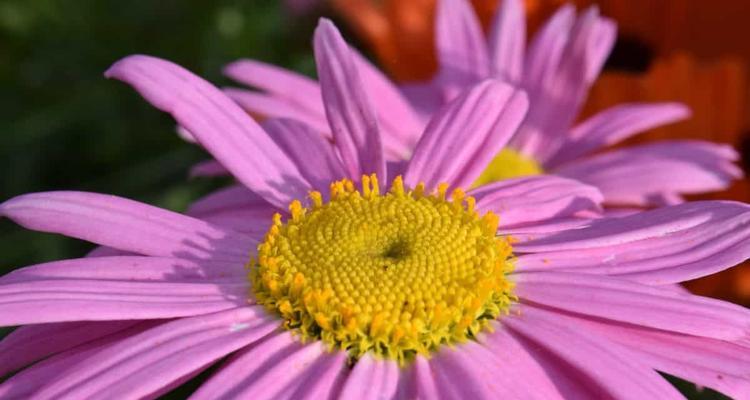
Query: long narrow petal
x,y
634,176
400,123
521,366
103,251
116,288
461,47
290,95
507,41
471,371
567,73
278,367
218,123
605,369
372,379
253,223
616,124
266,105
466,134
231,198
616,299
661,246
720,365
31,343
208,168
350,115
425,97
28,382
145,363
591,40
421,380
537,198
236,208
131,268
317,158
298,90
127,225
535,230
546,47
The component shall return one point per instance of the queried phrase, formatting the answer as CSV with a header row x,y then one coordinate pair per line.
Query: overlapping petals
x,y
662,246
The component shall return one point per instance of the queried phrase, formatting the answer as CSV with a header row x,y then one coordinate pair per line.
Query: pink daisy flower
x,y
403,290
556,70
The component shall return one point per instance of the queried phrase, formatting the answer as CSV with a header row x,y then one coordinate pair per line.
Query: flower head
x,y
521,309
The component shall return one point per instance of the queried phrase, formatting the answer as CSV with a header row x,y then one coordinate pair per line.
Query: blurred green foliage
x,y
63,126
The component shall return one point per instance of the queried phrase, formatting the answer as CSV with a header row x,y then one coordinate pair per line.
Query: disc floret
x,y
394,274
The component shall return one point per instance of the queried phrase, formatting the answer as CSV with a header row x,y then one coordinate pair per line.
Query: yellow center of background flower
x,y
395,274
508,164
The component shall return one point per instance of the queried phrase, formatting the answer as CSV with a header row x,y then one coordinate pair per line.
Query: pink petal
x,y
27,383
616,124
127,225
320,165
535,199
208,168
372,379
103,251
421,381
246,221
400,123
232,198
519,365
537,230
661,246
591,41
350,114
466,134
278,367
425,97
238,209
629,302
604,369
266,105
144,363
546,47
557,95
322,380
31,343
282,99
296,89
507,41
112,288
218,123
461,49
720,365
132,268
632,176
472,371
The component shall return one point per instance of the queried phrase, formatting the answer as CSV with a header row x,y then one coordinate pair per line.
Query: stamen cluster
x,y
394,274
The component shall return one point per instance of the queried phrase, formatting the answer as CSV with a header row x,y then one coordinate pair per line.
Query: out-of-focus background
x,y
64,126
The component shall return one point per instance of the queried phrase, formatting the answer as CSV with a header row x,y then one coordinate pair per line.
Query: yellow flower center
x,y
508,164
394,274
